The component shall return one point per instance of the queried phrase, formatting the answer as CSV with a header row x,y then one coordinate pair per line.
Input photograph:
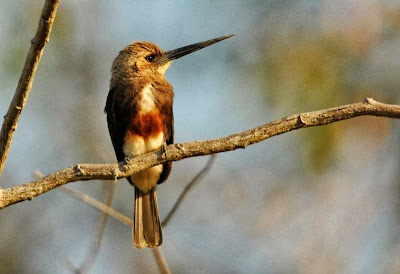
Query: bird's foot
x,y
164,150
128,160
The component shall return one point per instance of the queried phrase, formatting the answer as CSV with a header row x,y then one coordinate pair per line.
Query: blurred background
x,y
316,200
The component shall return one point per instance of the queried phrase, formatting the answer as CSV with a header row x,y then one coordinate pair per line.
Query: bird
x,y
139,110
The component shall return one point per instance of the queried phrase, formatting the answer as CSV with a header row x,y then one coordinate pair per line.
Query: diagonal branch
x,y
106,209
188,187
26,79
98,205
157,253
80,172
96,245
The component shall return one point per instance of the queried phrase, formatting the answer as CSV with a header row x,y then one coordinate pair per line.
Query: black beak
x,y
178,53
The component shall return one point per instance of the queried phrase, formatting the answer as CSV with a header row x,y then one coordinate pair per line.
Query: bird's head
x,y
147,57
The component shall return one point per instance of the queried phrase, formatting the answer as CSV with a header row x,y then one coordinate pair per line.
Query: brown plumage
x,y
140,120
139,111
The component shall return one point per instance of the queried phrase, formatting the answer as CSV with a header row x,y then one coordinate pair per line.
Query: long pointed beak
x,y
179,52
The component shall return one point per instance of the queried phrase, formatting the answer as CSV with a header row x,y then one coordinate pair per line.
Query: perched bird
x,y
140,120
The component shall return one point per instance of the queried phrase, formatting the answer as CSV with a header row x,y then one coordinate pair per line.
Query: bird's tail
x,y
147,227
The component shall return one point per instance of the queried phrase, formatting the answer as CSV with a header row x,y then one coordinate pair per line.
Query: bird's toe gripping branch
x,y
164,150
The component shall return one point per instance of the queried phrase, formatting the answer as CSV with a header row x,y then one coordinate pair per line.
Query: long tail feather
x,y
147,227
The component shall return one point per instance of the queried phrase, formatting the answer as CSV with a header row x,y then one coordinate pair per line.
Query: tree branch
x,y
97,241
189,186
98,205
160,260
26,79
176,152
106,209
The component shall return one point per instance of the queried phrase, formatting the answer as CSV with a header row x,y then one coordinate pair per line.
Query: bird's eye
x,y
151,58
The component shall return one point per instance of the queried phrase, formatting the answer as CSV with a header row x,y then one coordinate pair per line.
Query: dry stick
x,y
90,258
103,152
26,79
98,205
94,251
96,245
127,221
176,152
196,178
106,209
159,257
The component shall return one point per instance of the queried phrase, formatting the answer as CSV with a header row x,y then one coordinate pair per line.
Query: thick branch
x,y
26,79
178,152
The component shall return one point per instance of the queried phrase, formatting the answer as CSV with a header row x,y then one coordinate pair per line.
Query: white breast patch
x,y
146,103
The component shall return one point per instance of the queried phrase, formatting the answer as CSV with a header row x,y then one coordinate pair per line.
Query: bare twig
x,y
176,152
96,245
99,205
26,79
105,208
161,262
71,266
126,220
195,179
158,255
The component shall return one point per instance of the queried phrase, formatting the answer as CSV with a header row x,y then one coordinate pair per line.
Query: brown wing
x,y
118,116
165,99
167,166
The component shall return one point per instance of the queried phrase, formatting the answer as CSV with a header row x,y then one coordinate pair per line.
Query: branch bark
x,y
176,152
26,79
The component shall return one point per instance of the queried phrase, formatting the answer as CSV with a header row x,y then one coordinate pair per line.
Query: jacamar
x,y
140,120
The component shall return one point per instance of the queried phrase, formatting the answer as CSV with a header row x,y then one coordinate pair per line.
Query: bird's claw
x,y
164,150
128,160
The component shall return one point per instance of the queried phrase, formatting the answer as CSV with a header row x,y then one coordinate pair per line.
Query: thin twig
x,y
98,205
189,186
26,79
96,245
92,202
126,220
176,152
91,256
106,208
159,257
